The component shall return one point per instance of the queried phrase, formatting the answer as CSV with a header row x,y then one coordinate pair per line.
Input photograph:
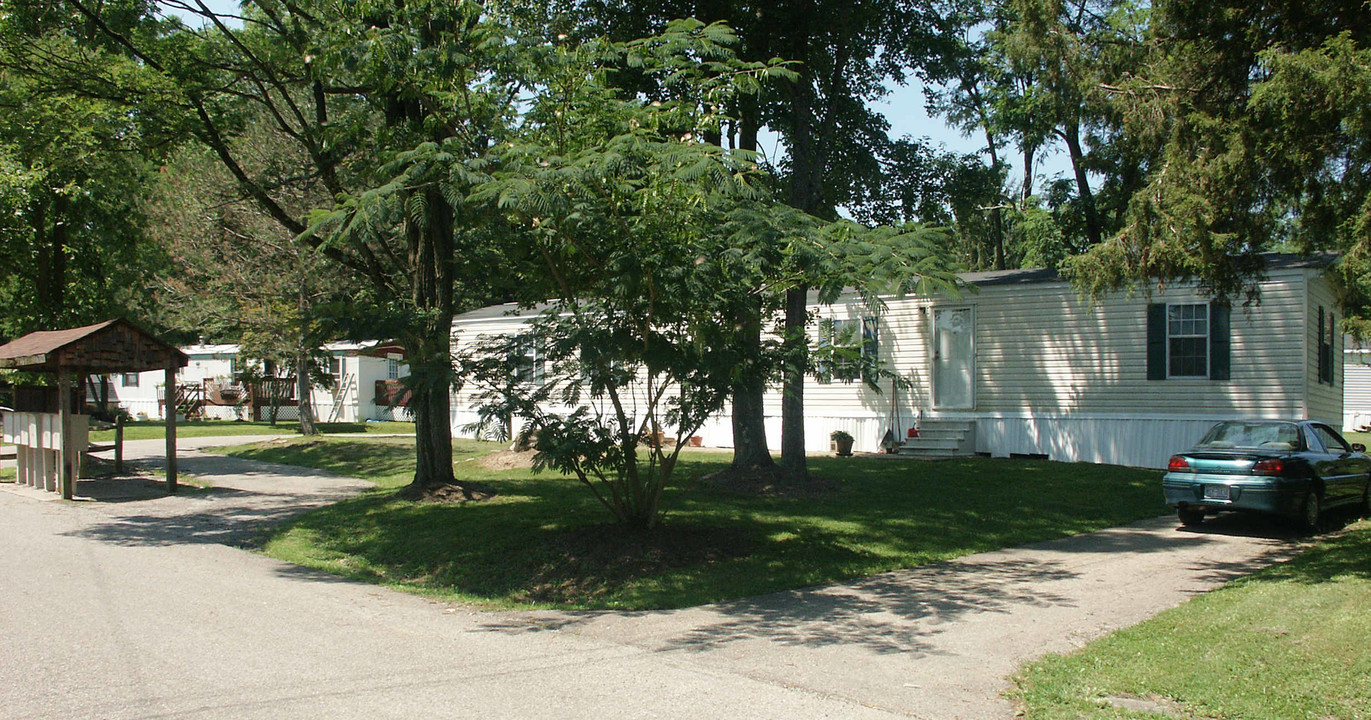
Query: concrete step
x,y
922,443
939,434
940,438
961,425
933,453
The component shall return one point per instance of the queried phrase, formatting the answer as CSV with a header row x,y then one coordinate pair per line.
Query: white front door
x,y
954,358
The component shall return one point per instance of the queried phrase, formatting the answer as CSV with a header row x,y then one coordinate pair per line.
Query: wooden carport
x,y
113,346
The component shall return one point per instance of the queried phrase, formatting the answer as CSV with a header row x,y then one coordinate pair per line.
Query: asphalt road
x,y
135,605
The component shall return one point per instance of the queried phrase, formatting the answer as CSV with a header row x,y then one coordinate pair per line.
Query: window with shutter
x,y
1188,340
1327,330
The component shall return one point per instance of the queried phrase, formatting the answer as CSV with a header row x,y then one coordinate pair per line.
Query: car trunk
x,y
1235,462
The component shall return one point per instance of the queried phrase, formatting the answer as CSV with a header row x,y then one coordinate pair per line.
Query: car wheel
x,y
1190,517
1366,500
1312,513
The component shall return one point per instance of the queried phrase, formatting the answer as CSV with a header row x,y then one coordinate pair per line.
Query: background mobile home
x,y
1021,364
1356,396
366,387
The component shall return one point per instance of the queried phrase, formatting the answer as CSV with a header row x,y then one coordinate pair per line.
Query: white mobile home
x,y
1020,364
1356,392
366,386
141,395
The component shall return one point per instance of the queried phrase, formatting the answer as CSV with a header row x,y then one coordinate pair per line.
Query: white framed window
x,y
129,380
530,363
1187,340
1327,333
848,350
335,366
392,369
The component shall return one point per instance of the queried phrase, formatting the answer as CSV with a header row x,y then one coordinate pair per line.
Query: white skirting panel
x,y
717,432
223,412
1354,420
1136,442
150,409
866,432
1113,440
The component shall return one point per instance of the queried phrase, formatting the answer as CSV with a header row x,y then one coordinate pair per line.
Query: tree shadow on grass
x,y
899,612
1344,555
893,613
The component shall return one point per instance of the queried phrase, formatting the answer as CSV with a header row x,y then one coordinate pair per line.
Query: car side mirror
x,y
1358,447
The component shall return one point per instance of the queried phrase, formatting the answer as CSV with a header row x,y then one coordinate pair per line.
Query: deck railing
x,y
392,393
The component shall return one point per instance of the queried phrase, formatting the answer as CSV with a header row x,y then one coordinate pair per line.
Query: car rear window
x,y
1263,436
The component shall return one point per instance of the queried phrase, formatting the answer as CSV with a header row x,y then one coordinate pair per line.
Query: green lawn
x,y
151,429
543,541
7,475
1293,641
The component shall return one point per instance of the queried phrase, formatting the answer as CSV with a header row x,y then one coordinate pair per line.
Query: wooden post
x,y
66,473
119,443
171,425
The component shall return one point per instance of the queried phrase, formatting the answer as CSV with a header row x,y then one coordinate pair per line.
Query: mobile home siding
x,y
1325,400
1068,379
1072,356
1055,374
1356,389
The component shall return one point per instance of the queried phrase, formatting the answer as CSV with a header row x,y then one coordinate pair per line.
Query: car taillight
x,y
1178,464
1268,467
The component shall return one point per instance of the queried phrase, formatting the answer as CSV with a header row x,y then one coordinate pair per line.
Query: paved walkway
x,y
142,608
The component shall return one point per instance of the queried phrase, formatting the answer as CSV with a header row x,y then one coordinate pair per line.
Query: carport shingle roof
x,y
106,347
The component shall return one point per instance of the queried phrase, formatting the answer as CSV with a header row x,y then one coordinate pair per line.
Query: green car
x,y
1292,469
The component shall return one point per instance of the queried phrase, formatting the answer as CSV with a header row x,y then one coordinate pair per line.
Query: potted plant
x,y
842,442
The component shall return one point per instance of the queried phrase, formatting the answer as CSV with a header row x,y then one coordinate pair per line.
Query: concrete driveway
x,y
138,606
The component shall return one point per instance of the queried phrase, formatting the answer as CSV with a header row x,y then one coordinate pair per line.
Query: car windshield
x,y
1247,435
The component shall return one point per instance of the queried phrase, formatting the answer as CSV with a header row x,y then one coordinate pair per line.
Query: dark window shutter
x,y
1325,357
1332,349
1156,341
1220,333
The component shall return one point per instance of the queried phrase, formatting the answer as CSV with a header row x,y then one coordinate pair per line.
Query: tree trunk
x,y
50,280
430,377
997,214
304,392
750,449
431,250
1072,135
275,396
997,236
805,194
796,350
303,387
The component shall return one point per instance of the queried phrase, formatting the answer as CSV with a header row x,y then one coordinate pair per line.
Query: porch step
x,y
942,438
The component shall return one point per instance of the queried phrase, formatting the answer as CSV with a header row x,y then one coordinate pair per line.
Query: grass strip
x,y
544,540
1291,641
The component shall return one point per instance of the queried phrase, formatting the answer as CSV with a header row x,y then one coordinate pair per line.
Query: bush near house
x,y
543,541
